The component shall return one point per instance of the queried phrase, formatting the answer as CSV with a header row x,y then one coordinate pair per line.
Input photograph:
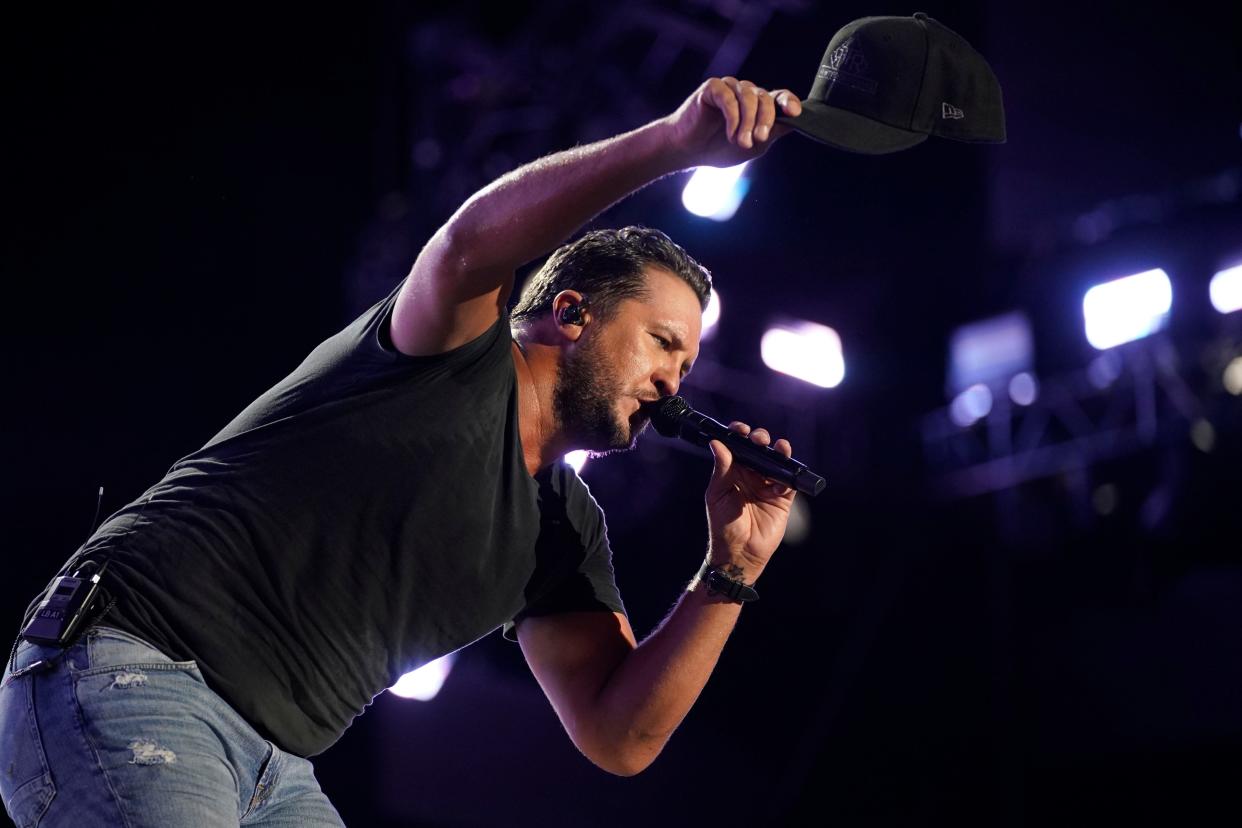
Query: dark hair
x,y
607,266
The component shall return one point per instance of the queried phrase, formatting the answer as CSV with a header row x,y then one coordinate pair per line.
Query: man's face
x,y
639,354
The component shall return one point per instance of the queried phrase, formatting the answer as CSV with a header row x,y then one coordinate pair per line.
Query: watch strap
x,y
719,583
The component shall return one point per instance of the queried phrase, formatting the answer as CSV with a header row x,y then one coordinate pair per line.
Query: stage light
x,y
715,192
1127,309
799,526
971,405
1226,290
1233,376
990,350
1023,389
1104,370
711,316
1105,499
806,350
577,459
423,684
1203,435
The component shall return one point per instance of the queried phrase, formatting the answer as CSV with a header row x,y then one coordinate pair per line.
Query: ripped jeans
x,y
114,732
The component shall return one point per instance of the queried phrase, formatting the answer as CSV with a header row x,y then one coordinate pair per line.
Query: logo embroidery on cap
x,y
948,110
849,66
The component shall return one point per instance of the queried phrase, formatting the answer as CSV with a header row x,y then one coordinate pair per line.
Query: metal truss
x,y
1131,399
569,74
481,103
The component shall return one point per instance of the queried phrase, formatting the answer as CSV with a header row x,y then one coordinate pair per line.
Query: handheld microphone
x,y
673,417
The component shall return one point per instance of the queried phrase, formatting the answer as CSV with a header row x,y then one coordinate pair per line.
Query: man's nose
x,y
667,382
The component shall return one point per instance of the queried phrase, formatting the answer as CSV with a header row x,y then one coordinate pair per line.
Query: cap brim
x,y
845,130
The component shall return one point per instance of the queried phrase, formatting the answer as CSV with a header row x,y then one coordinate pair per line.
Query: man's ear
x,y
570,314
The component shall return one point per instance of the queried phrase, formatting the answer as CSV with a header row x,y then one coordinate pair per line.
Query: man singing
x,y
398,496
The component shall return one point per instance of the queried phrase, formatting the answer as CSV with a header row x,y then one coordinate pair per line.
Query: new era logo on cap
x,y
948,110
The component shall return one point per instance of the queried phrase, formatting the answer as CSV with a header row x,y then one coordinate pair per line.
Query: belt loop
x,y
79,654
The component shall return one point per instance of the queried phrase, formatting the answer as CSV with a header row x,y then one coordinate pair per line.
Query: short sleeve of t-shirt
x,y
574,570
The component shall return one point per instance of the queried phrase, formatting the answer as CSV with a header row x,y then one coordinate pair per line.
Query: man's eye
x,y
664,343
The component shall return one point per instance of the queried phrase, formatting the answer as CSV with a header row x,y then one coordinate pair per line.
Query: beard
x,y
584,400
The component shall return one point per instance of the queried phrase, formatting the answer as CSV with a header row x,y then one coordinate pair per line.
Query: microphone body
x,y
673,417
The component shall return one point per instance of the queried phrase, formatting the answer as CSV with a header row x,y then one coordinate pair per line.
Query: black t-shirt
x,y
369,513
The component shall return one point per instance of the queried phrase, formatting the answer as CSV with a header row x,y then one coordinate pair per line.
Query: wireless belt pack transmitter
x,y
59,615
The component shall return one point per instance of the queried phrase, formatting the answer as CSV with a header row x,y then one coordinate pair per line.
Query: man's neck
x,y
537,365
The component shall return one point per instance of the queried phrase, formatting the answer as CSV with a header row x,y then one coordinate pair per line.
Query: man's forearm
x,y
527,212
654,688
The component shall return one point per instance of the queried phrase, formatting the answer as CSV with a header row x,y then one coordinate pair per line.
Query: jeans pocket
x,y
110,650
25,784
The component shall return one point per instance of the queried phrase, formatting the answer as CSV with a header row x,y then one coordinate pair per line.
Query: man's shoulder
x,y
574,493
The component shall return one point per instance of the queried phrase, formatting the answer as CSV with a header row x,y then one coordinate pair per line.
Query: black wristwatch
x,y
718,583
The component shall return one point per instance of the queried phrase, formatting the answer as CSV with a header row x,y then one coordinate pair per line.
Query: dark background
x,y
196,196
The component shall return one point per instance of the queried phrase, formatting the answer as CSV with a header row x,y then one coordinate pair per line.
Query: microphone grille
x,y
666,414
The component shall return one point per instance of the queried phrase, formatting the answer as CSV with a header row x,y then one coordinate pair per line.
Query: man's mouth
x,y
645,405
642,414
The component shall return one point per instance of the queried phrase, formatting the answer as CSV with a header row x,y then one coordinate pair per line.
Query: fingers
x,y
724,98
760,436
765,116
788,102
750,111
747,96
724,462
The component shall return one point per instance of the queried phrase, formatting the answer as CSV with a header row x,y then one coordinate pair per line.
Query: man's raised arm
x,y
463,276
621,701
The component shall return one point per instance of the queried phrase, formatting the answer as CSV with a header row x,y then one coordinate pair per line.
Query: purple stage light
x,y
1104,370
971,406
577,459
990,350
1127,309
806,350
1023,388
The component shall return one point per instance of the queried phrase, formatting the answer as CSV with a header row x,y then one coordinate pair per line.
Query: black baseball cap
x,y
886,83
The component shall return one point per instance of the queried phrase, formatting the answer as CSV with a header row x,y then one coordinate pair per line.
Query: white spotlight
x,y
711,315
423,684
1127,309
1226,290
806,350
577,459
715,192
1233,376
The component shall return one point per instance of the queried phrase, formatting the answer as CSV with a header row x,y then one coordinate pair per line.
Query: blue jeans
x,y
114,732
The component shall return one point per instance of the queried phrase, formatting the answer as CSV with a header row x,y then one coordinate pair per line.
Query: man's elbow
x,y
627,756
